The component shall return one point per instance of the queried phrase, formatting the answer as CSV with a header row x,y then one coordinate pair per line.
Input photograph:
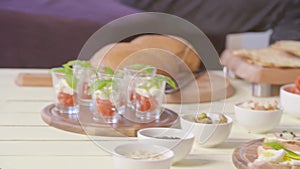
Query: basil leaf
x,y
71,63
71,80
68,71
170,82
137,66
109,71
142,68
58,69
167,80
84,64
99,85
144,87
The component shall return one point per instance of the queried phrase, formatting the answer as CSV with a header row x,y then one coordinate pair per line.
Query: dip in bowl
x,y
258,117
290,100
142,156
175,139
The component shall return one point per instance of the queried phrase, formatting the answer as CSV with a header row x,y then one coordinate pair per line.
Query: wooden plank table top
x,y
27,142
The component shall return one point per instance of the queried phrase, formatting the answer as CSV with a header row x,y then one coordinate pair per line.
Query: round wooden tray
x,y
246,153
84,123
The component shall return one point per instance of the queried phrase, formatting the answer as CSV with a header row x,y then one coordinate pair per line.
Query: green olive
x,y
201,116
223,118
206,120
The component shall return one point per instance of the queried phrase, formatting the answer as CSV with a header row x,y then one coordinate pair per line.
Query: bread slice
x,y
289,46
113,54
175,45
269,57
120,55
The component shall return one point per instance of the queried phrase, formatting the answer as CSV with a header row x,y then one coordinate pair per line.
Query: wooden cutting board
x,y
205,88
34,79
256,73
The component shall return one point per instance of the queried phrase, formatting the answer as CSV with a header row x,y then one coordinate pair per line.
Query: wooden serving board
x,y
246,153
84,123
206,87
256,73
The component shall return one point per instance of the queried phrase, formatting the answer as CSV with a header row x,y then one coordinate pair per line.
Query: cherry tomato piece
x,y
105,107
66,100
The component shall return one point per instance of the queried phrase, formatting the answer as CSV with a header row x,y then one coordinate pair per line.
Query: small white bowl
x,y
175,139
290,102
207,135
122,161
257,121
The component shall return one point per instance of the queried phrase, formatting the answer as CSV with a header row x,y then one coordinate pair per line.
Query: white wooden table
x,y
27,142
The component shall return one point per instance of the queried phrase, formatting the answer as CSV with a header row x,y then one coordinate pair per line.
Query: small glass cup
x,y
107,98
147,96
66,97
119,92
84,78
131,74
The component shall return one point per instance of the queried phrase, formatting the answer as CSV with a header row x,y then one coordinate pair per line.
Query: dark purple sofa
x,y
47,33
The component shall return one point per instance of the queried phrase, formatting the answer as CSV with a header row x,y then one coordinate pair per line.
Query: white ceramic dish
x,y
122,161
290,102
206,135
175,139
257,121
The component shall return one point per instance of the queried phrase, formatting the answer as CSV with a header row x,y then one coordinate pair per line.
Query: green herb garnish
x,y
68,73
109,71
289,154
156,82
71,80
99,85
142,68
67,70
81,63
166,79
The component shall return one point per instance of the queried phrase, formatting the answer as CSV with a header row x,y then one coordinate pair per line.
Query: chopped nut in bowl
x,y
258,117
260,105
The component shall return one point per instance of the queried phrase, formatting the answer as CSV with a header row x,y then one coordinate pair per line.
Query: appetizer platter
x,y
107,102
278,151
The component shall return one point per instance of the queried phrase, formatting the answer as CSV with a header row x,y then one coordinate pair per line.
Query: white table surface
x,y
27,142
